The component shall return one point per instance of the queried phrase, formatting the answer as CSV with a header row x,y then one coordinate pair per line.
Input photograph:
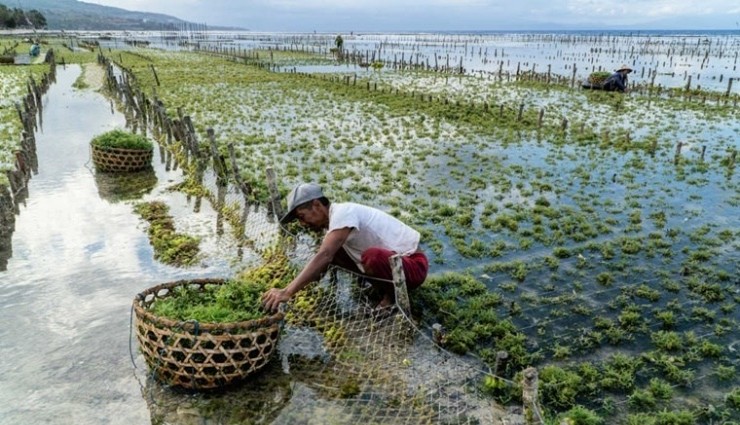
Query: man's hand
x,y
271,299
311,272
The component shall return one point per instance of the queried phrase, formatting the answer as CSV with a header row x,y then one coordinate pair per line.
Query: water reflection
x,y
259,400
72,256
117,187
14,196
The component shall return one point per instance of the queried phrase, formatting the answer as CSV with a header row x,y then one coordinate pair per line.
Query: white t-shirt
x,y
371,227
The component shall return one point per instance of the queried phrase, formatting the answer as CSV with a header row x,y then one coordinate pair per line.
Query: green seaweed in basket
x,y
236,300
598,77
122,139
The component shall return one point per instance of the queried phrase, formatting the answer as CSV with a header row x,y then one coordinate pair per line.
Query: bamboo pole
x,y
277,207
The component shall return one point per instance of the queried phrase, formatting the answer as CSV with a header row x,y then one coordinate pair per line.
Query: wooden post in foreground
x,y
399,282
679,145
529,397
277,207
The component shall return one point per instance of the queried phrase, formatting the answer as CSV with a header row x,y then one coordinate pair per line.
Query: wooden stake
x,y
502,358
729,86
678,152
243,186
154,71
277,207
399,282
529,396
573,78
539,119
219,164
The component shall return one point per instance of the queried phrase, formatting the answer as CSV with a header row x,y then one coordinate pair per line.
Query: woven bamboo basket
x,y
121,160
201,355
598,78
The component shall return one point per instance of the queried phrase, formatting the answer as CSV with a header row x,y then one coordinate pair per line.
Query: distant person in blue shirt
x,y
35,49
618,80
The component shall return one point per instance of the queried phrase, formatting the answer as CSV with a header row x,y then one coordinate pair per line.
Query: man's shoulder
x,y
351,206
360,211
341,209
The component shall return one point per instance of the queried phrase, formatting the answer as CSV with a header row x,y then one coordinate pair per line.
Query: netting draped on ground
x,y
376,366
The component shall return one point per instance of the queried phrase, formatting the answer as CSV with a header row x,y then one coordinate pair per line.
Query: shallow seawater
x,y
79,256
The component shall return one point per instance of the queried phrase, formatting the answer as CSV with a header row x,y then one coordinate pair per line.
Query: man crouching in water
x,y
358,238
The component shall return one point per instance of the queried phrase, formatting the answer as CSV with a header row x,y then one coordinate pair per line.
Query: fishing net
x,y
374,366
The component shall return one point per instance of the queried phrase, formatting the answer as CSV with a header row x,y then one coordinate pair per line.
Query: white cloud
x,y
655,8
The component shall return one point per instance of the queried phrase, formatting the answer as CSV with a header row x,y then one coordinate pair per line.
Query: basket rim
x,y
115,149
144,314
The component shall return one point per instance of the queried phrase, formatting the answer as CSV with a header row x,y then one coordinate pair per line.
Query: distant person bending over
x,y
358,238
618,80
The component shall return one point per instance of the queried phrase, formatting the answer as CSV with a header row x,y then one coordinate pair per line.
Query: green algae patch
x,y
170,247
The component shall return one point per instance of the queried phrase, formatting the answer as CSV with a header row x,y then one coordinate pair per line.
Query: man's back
x,y
615,82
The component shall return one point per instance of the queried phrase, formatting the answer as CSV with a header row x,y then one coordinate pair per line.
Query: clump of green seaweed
x,y
237,299
170,246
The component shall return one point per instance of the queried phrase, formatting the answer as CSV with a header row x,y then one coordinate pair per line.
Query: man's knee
x,y
375,261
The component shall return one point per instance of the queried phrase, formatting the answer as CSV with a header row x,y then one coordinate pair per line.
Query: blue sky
x,y
420,15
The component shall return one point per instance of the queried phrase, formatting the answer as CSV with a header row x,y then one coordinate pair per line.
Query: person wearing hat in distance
x,y
358,238
618,80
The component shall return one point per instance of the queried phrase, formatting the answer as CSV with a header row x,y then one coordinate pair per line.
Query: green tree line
x,y
18,18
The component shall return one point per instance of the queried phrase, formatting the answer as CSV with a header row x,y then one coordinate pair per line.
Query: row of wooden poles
x,y
368,59
520,116
523,72
178,133
519,112
617,44
29,110
401,62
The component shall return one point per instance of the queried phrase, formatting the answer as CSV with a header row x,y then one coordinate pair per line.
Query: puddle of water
x,y
79,256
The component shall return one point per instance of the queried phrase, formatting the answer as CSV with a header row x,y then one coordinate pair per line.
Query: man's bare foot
x,y
384,303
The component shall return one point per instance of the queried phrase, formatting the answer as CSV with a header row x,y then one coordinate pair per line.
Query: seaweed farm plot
x,y
597,241
667,59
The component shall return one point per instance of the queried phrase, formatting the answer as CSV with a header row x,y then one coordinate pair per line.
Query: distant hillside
x,y
77,15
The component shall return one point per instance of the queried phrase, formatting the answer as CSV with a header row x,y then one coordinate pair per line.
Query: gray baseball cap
x,y
301,194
